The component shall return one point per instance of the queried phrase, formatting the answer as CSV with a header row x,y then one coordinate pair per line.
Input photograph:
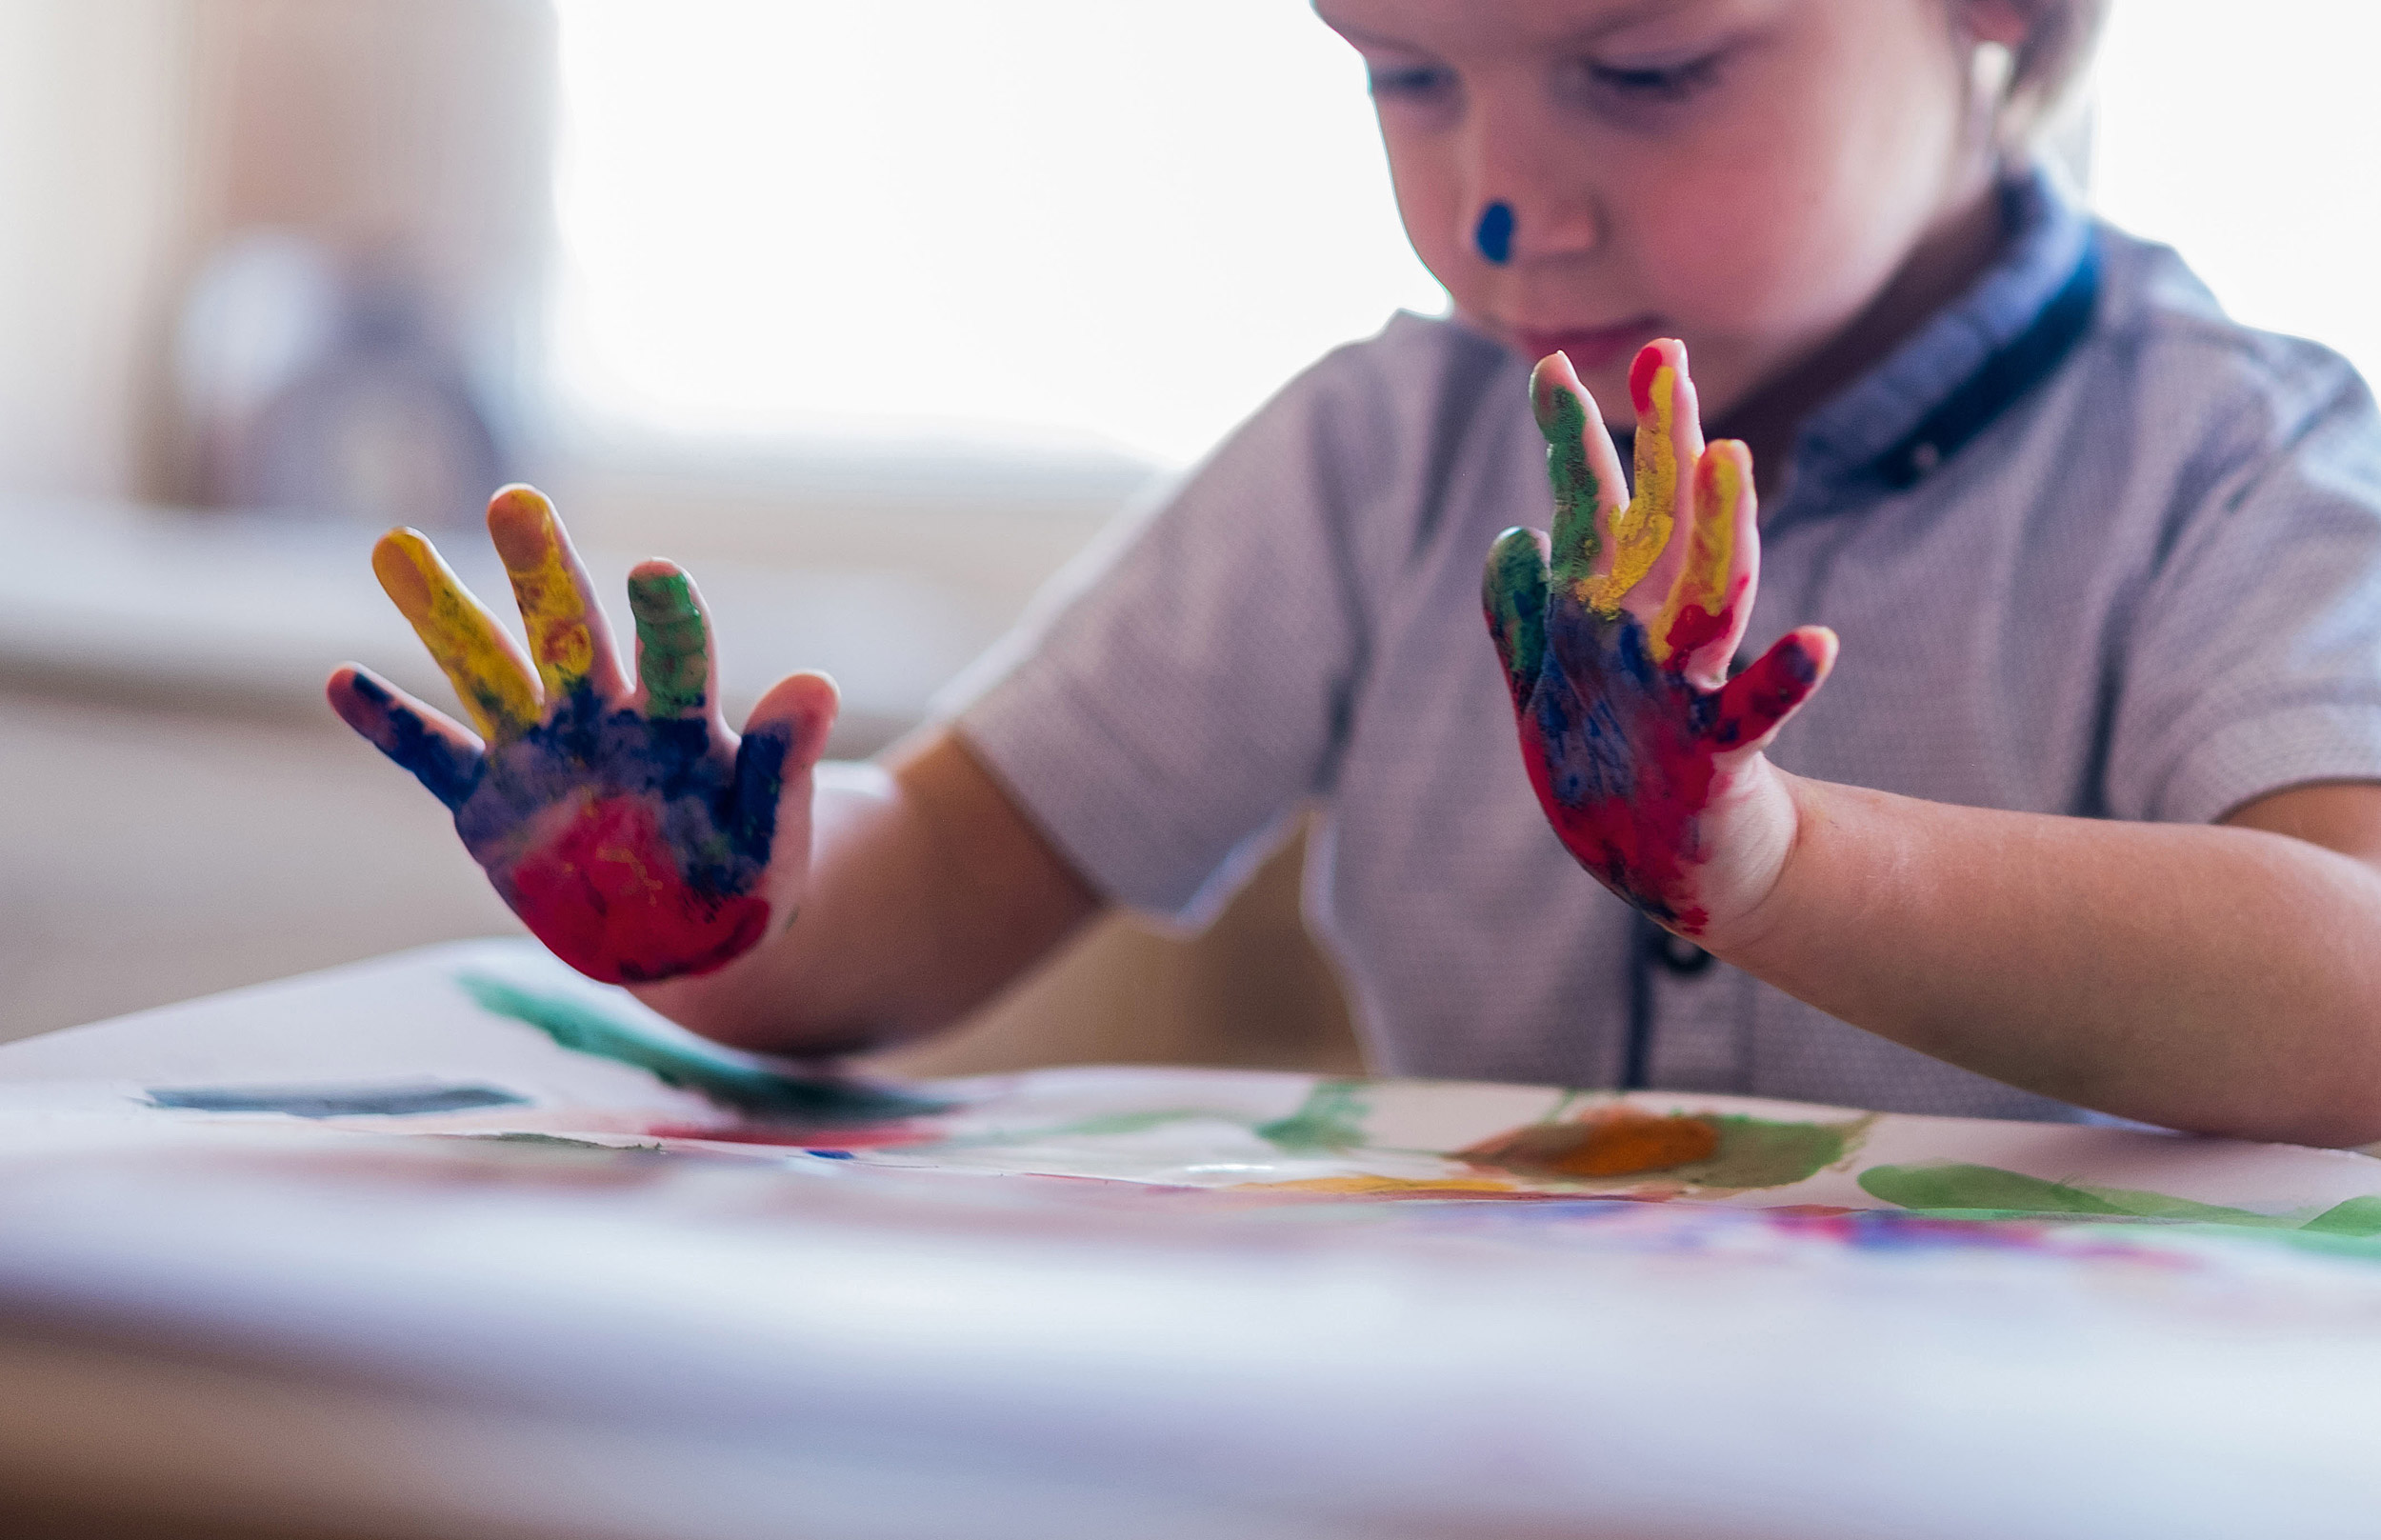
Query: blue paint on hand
x,y
1494,233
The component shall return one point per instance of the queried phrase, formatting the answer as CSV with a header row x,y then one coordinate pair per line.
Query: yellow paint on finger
x,y
463,638
1699,599
554,608
1641,529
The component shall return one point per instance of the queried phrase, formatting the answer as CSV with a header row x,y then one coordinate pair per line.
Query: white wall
x,y
93,97
2243,136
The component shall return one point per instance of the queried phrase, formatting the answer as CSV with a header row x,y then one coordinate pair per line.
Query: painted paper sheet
x,y
471,1178
496,1039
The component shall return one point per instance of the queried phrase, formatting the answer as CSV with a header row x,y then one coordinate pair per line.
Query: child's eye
x,y
1411,81
1662,84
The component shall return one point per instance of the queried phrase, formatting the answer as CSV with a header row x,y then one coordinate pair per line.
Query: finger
x,y
568,634
485,669
1758,702
783,740
1669,437
1513,591
1712,600
1580,463
675,669
430,744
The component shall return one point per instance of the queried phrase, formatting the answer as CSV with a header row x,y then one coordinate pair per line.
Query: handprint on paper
x,y
1644,754
630,831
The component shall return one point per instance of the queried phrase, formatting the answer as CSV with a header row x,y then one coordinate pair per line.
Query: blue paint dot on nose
x,y
1495,234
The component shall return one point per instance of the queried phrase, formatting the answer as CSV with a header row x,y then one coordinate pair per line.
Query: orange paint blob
x,y
1619,1141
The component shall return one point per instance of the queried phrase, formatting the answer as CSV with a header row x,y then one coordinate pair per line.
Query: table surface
x,y
560,1296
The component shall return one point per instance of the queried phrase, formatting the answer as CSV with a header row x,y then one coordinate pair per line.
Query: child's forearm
x,y
2225,980
929,891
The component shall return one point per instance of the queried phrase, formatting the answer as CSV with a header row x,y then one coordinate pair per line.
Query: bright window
x,y
1047,223
1079,223
2243,135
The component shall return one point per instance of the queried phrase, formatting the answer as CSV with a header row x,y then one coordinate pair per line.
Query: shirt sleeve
x,y
1179,692
2255,663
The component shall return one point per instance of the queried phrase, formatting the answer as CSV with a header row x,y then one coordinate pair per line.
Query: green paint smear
x,y
1562,419
731,1082
2357,1217
1952,1189
1331,1118
1757,1152
555,1140
1118,1123
673,660
1514,592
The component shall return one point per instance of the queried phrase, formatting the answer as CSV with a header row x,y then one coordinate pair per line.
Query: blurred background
x,y
873,315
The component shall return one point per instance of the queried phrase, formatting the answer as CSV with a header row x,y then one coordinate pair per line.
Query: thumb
x,y
783,740
1758,702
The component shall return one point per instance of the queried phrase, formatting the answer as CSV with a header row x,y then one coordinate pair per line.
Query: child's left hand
x,y
1646,756
630,829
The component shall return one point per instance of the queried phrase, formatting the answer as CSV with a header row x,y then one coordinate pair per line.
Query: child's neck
x,y
1945,261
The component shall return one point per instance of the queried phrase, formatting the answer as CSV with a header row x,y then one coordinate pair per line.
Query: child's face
x,y
1745,175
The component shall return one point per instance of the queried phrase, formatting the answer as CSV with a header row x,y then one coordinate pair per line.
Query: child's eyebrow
x,y
1359,35
1620,20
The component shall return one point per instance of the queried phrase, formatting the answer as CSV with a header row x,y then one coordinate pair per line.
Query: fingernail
x,y
403,561
521,524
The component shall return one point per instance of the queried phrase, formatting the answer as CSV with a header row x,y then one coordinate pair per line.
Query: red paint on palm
x,y
1628,799
607,896
1640,844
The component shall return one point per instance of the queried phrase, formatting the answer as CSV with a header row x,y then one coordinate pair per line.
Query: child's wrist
x,y
1753,900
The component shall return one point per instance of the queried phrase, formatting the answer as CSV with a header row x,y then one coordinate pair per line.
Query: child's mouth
x,y
1590,349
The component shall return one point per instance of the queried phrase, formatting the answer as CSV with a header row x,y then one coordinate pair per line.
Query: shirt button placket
x,y
1697,1038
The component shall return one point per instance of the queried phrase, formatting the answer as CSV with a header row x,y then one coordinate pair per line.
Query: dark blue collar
x,y
1935,392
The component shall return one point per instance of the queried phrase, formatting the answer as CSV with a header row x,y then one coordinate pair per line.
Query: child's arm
x,y
648,845
2221,979
928,892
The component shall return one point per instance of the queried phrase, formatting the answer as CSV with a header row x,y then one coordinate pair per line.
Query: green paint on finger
x,y
1563,418
1513,595
674,656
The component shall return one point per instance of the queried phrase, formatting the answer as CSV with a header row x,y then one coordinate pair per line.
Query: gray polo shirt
x,y
2092,549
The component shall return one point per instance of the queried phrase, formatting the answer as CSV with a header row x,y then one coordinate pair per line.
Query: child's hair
x,y
2045,69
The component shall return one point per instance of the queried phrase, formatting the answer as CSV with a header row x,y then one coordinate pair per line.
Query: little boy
x,y
2083,818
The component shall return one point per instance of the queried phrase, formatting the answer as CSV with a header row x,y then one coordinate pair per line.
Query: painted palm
x,y
630,830
1616,639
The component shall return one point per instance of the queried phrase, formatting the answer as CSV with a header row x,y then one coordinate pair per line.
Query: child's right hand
x,y
1616,636
630,830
